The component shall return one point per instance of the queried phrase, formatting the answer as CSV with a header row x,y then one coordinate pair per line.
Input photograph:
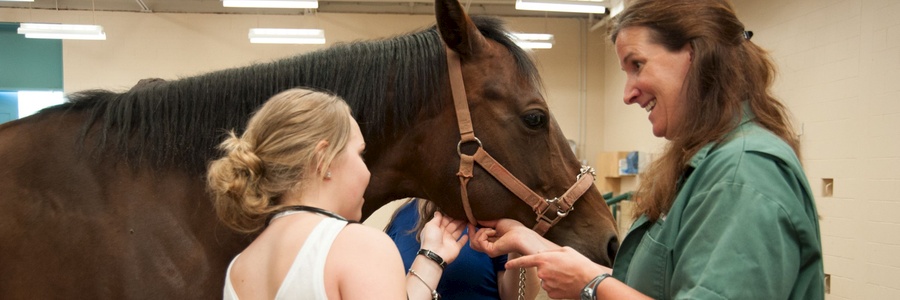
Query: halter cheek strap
x,y
466,133
546,216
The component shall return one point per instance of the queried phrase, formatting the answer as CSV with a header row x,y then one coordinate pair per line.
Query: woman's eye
x,y
535,120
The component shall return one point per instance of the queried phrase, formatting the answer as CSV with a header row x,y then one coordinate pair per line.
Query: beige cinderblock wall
x,y
171,46
839,64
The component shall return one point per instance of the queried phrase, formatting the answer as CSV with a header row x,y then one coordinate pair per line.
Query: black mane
x,y
179,123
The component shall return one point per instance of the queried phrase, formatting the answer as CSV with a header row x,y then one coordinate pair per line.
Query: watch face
x,y
587,293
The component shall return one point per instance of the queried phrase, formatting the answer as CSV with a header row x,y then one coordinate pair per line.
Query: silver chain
x,y
522,284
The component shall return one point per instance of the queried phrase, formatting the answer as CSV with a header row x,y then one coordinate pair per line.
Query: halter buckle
x,y
559,212
585,170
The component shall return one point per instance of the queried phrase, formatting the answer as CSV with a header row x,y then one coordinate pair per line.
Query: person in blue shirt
x,y
726,211
472,276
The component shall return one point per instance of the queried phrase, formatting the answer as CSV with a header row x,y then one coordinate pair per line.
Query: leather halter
x,y
546,215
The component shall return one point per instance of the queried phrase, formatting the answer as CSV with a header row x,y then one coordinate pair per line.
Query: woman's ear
x,y
320,155
690,49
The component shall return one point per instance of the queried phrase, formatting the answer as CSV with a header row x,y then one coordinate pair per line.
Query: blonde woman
x,y
296,178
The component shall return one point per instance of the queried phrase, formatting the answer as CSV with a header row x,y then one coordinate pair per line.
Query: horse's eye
x,y
535,120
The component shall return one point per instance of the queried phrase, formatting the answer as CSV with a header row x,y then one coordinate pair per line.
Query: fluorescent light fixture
x,y
286,36
16,0
62,31
272,3
616,9
533,40
575,6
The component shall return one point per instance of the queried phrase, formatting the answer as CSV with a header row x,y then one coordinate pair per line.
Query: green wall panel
x,y
9,106
29,64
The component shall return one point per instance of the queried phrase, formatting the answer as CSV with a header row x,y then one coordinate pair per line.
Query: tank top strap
x,y
306,277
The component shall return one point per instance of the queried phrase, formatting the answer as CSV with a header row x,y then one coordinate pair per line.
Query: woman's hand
x,y
444,236
505,236
563,271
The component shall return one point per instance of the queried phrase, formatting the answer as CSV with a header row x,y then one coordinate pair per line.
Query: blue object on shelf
x,y
629,165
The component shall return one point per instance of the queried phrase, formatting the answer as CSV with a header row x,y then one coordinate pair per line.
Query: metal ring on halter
x,y
459,145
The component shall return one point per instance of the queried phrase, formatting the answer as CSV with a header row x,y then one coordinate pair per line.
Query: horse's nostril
x,y
612,248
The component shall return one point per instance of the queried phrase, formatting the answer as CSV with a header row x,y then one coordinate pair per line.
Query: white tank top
x,y
306,277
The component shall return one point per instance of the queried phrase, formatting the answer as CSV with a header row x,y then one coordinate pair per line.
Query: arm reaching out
x,y
564,273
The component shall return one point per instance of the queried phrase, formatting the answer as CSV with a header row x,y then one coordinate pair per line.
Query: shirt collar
x,y
747,116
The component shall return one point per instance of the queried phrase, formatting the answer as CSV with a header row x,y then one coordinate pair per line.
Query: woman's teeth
x,y
650,105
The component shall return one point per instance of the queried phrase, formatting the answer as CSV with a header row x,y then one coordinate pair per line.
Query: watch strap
x,y
589,291
433,257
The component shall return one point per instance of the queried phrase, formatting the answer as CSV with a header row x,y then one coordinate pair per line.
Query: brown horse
x,y
104,196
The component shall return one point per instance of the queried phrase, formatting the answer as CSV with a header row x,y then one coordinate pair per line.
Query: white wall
x,y
170,46
839,64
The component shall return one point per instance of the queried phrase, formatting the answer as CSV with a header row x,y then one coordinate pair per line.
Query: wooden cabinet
x,y
613,175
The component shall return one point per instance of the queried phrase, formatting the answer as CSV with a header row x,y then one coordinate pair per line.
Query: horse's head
x,y
512,121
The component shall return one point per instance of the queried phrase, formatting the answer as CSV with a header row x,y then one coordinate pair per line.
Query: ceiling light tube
x,y
533,40
616,9
272,3
16,0
286,36
62,31
574,6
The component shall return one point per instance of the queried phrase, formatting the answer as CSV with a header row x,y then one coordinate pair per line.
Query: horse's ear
x,y
457,29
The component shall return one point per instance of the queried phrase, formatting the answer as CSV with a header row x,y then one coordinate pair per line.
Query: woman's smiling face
x,y
655,77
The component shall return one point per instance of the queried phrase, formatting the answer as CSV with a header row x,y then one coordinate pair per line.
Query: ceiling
x,y
489,7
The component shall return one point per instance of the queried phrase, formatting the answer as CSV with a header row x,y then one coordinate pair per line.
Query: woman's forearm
x,y
611,288
422,278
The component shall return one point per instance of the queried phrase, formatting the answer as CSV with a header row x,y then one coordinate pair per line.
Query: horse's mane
x,y
179,123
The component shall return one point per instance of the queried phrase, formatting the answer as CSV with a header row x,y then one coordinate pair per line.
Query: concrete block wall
x,y
172,46
840,68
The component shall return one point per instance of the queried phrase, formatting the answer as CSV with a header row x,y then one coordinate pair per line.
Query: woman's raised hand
x,y
444,236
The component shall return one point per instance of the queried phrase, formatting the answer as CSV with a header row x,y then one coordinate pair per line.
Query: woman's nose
x,y
631,93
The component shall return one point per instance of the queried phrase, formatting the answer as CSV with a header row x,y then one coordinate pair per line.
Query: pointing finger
x,y
524,262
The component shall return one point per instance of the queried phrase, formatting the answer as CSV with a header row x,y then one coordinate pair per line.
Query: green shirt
x,y
743,226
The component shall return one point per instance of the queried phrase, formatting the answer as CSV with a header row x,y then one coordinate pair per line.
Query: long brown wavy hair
x,y
726,71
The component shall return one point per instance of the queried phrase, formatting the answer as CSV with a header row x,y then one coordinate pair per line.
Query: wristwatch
x,y
433,256
590,290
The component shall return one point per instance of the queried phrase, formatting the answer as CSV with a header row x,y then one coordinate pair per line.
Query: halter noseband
x,y
546,215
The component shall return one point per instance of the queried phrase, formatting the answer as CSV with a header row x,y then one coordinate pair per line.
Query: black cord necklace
x,y
312,209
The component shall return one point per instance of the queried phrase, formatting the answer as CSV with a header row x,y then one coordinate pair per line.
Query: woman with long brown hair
x,y
726,212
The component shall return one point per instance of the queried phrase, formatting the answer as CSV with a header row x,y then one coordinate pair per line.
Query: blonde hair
x,y
276,154
727,70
